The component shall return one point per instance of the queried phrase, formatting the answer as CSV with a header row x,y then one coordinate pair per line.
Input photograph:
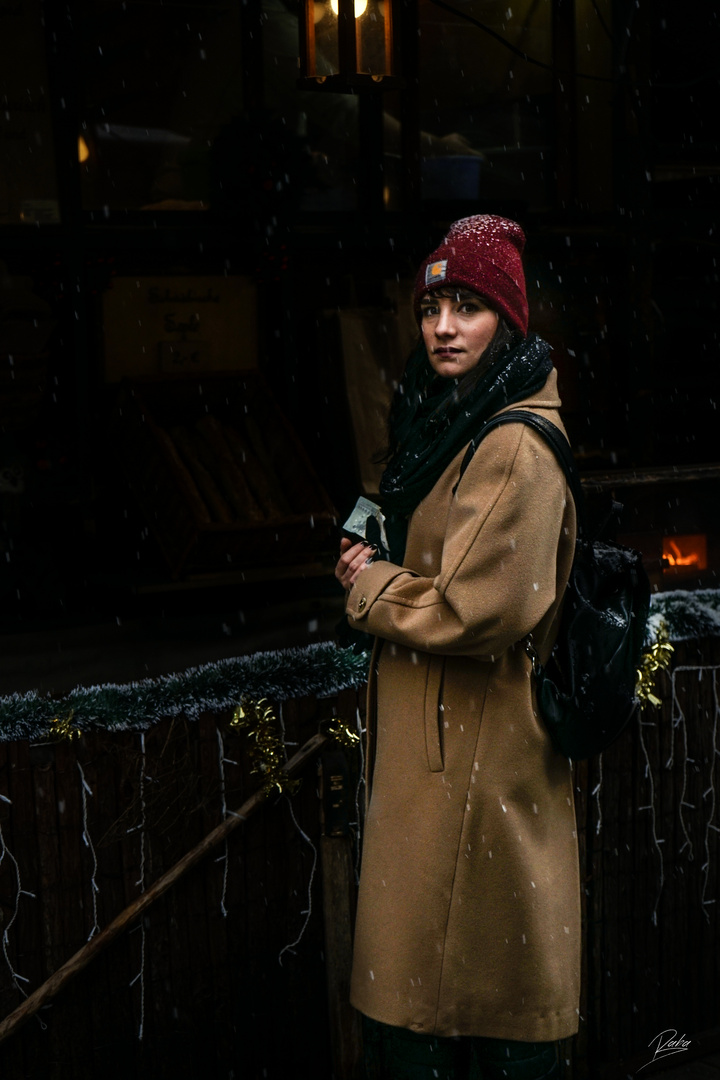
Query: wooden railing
x,y
242,964
227,970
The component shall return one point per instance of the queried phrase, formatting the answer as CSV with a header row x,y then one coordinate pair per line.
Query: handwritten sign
x,y
157,325
182,356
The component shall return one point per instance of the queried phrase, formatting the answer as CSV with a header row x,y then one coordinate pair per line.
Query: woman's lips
x,y
448,352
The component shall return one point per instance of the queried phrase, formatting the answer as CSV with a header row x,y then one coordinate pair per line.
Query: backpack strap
x,y
555,440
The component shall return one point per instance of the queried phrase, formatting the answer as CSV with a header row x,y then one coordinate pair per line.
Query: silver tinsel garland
x,y
318,670
686,614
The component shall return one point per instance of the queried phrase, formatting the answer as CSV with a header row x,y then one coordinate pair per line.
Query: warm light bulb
x,y
83,152
360,7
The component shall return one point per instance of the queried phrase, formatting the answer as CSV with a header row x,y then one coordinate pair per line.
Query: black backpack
x,y
586,691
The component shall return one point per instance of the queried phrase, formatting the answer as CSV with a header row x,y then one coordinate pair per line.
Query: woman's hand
x,y
353,560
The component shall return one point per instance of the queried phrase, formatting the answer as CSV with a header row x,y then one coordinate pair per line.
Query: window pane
x,y
28,189
478,95
161,83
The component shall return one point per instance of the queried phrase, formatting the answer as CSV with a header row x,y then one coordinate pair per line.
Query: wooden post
x,y
52,986
338,910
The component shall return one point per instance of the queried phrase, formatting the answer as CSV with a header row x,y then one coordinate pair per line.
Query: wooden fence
x,y
214,981
649,825
210,983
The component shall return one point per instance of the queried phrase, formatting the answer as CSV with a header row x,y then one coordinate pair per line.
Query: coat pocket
x,y
434,725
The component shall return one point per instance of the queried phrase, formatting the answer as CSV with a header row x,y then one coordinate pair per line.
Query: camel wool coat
x,y
468,918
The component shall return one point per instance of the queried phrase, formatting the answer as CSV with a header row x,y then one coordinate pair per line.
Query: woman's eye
x,y
427,312
469,307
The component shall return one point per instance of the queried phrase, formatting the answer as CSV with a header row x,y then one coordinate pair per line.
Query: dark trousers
x,y
393,1053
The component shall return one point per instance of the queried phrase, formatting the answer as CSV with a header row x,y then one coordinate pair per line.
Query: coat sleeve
x,y
499,560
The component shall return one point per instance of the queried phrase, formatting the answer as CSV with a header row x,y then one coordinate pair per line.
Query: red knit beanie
x,y
481,253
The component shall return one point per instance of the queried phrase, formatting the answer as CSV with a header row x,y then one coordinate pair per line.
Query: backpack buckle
x,y
533,654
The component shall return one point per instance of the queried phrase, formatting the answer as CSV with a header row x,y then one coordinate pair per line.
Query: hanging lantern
x,y
346,45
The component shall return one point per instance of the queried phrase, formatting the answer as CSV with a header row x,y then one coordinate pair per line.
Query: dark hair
x,y
415,383
450,292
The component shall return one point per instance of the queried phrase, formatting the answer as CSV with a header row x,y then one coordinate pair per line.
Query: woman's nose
x,y
445,324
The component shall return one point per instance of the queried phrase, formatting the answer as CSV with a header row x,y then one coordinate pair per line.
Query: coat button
x,y
362,603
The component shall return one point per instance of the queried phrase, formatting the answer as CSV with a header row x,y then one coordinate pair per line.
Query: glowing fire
x,y
686,551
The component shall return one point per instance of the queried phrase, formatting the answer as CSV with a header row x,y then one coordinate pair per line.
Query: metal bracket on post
x,y
336,800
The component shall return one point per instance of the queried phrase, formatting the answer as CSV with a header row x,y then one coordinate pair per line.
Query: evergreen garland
x,y
319,670
686,614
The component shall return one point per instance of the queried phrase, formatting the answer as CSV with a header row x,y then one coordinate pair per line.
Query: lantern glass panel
x,y
372,36
372,33
327,60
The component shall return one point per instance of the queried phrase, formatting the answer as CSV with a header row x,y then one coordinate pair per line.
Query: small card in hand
x,y
367,523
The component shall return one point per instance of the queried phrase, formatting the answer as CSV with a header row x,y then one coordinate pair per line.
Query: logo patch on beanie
x,y
435,272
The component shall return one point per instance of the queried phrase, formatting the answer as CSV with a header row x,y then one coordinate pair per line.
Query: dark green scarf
x,y
433,418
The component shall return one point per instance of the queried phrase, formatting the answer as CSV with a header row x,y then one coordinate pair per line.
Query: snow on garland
x,y
319,670
686,614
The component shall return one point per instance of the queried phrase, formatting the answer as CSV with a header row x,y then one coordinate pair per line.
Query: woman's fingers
x,y
348,552
361,562
353,560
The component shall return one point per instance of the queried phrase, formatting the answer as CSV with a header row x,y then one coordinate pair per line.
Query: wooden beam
x,y
661,474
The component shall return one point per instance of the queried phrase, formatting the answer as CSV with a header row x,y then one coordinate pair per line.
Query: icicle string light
x,y
656,840
141,885
678,720
224,811
308,912
358,789
596,792
87,840
283,735
675,713
5,852
711,793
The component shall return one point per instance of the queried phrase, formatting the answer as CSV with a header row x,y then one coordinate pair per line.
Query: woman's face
x,y
457,330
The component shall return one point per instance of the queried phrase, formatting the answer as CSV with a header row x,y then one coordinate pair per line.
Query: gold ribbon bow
x,y
62,728
337,729
653,659
258,720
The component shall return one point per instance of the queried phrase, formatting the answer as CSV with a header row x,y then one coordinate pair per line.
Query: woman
x,y
467,944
